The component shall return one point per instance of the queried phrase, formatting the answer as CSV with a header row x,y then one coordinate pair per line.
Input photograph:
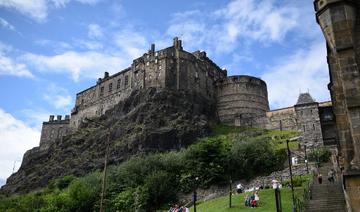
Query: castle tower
x,y
340,23
308,120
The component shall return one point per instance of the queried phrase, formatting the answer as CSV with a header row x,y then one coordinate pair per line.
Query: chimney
x,y
51,118
153,48
67,117
58,118
106,74
175,43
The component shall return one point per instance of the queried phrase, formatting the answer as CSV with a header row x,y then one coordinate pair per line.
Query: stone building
x,y
171,68
340,23
314,121
241,100
54,129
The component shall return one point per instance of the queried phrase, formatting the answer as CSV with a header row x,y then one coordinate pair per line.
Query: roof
x,y
305,98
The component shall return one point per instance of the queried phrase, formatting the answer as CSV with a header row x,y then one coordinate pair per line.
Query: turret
x,y
177,43
337,21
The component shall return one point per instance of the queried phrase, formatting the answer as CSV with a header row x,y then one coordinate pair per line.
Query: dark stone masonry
x,y
240,100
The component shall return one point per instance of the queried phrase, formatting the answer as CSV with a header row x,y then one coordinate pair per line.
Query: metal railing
x,y
302,201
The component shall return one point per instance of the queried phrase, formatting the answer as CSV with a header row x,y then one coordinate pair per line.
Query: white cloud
x,y
89,45
305,69
16,139
190,27
259,20
132,43
9,66
95,31
38,9
222,29
88,64
58,97
35,117
6,24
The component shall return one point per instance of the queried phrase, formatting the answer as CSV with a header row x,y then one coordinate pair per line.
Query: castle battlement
x,y
241,100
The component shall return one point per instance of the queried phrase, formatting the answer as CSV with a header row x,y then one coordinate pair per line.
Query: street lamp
x,y
306,161
291,177
195,195
103,185
276,187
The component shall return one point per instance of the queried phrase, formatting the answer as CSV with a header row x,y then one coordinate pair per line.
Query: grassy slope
x,y
267,202
277,137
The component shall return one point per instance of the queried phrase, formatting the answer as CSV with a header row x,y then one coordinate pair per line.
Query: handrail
x,y
302,201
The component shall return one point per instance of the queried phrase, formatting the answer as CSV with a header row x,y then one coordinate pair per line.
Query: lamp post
x,y
291,177
103,184
195,194
230,191
277,196
306,161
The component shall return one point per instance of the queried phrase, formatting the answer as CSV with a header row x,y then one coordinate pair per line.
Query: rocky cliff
x,y
149,120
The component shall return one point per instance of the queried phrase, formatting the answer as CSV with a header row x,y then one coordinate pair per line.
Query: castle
x,y
340,23
240,100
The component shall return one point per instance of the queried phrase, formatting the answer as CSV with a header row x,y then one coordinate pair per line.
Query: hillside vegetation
x,y
149,182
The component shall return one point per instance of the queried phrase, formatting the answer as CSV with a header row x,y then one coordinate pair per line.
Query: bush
x,y
321,155
298,181
206,160
256,158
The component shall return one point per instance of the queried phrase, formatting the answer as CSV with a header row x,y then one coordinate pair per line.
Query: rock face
x,y
148,120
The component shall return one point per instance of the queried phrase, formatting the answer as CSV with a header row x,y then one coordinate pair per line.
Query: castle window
x,y
147,63
304,128
313,126
160,67
118,83
101,91
110,87
126,81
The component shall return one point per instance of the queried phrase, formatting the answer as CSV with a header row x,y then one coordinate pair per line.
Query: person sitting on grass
x,y
247,201
253,201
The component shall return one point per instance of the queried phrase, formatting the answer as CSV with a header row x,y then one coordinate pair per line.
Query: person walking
x,y
319,178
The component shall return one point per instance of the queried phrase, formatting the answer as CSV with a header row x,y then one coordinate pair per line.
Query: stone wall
x,y
54,129
340,22
282,119
171,67
241,97
308,123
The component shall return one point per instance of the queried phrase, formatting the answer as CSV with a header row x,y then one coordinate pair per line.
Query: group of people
x,y
252,200
178,208
330,177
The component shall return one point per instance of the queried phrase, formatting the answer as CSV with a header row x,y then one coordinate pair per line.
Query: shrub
x,y
321,155
298,181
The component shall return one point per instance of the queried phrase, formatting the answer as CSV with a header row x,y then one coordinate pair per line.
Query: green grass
x,y
229,134
266,203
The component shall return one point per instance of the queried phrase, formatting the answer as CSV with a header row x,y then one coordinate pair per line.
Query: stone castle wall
x,y
340,22
282,119
54,129
308,123
240,98
172,68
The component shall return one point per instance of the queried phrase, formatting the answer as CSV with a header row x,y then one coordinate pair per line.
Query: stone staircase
x,y
327,197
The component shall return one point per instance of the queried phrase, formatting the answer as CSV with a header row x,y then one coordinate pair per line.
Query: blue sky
x,y
52,49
